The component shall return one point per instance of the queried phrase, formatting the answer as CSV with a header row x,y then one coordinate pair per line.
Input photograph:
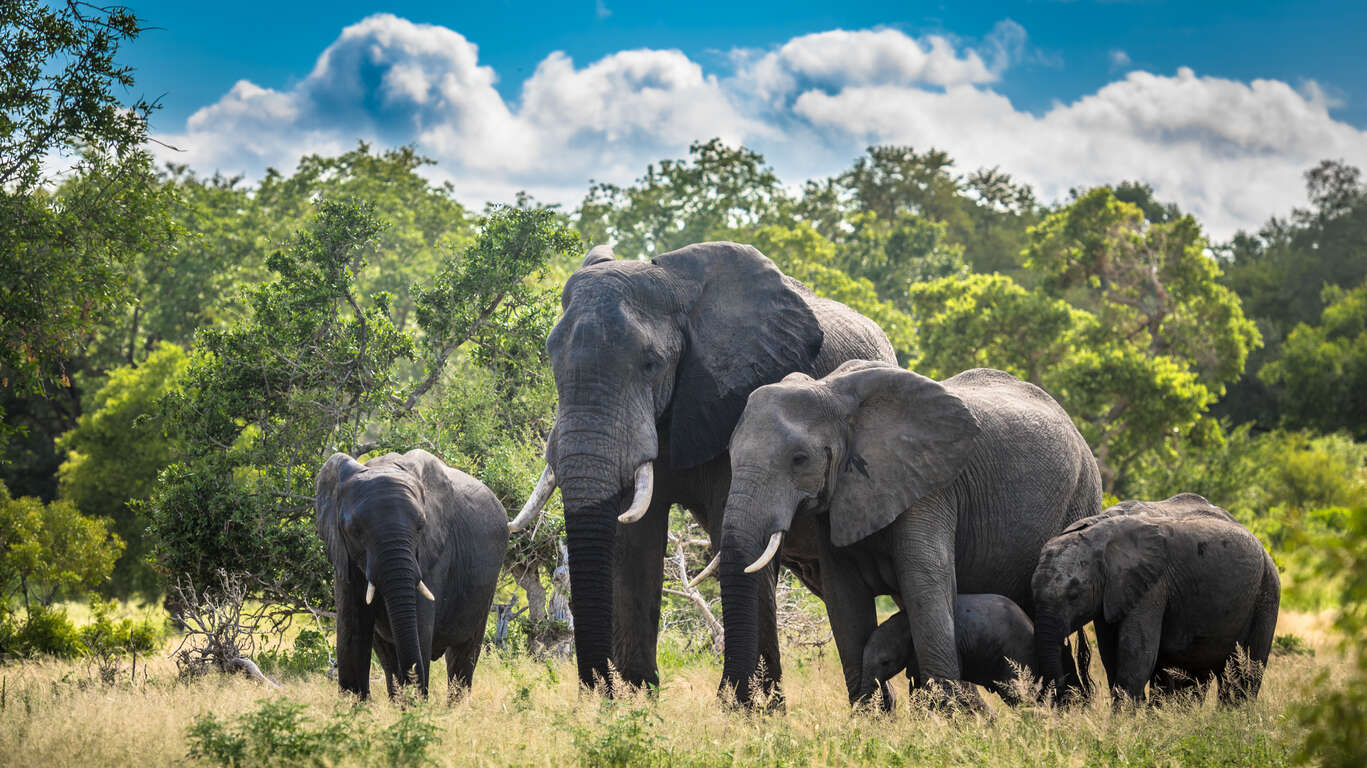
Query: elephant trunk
x,y
591,490
399,578
1050,632
742,543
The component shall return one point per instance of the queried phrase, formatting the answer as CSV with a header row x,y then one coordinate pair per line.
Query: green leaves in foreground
x,y
280,733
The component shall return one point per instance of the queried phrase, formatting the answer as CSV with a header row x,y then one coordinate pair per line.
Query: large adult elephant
x,y
653,362
922,489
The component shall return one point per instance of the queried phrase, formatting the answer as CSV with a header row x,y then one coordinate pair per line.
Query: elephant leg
x,y
1174,685
460,666
638,576
1106,641
1137,639
389,662
1257,643
853,616
928,585
355,632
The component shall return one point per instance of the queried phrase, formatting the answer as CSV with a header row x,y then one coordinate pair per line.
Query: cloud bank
x,y
1230,152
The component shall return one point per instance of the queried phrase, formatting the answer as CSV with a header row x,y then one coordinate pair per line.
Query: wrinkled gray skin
x,y
921,489
653,361
394,521
1173,584
990,633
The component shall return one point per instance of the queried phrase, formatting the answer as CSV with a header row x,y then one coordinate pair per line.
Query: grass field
x,y
522,712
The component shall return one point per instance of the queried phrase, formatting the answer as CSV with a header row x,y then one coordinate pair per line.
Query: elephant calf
x,y
1175,585
991,632
416,548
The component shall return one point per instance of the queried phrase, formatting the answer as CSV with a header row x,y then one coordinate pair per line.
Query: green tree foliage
x,y
991,321
47,550
316,367
1167,337
1320,381
718,191
894,253
1337,718
63,252
1280,274
114,455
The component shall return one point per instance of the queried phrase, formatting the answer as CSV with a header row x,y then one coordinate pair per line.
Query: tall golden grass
x,y
523,712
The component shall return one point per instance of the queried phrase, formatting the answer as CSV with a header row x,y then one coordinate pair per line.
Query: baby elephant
x,y
990,632
416,548
1171,585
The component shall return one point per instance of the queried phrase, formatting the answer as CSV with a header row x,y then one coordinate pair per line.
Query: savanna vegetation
x,y
179,353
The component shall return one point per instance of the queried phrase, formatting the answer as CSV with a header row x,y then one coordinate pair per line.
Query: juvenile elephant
x,y
653,361
991,634
1174,584
921,489
400,528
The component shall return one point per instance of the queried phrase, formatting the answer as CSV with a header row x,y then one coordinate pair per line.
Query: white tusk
x,y
369,592
425,592
645,486
711,566
536,502
768,553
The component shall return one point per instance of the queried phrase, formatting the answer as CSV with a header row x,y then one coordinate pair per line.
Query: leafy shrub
x,y
311,654
280,733
1291,645
623,740
46,631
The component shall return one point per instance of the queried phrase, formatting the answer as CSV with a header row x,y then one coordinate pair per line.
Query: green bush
x,y
311,654
46,631
280,733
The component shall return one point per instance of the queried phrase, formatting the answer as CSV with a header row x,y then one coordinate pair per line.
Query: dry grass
x,y
526,713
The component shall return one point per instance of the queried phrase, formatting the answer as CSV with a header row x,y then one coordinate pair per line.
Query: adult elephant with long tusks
x,y
921,489
416,548
653,362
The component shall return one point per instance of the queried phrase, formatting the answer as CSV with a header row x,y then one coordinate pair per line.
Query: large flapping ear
x,y
746,326
327,505
910,437
597,254
1133,560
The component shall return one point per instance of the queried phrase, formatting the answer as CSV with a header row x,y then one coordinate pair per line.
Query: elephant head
x,y
654,358
373,523
863,444
1098,566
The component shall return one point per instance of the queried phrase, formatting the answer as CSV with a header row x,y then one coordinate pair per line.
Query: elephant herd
x,y
707,378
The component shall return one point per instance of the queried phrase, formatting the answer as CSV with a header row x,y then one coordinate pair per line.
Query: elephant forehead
x,y
615,283
382,486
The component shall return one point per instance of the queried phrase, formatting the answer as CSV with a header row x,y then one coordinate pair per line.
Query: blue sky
x,y
1220,106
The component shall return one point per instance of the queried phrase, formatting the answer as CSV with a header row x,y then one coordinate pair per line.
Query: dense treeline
x,y
179,352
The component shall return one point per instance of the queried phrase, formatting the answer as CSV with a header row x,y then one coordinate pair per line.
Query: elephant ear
x,y
597,255
909,438
746,325
1133,561
327,505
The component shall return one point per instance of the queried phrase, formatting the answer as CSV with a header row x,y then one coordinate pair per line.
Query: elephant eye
x,y
800,460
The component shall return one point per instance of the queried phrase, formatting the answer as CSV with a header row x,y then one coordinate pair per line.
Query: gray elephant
x,y
653,361
1169,585
921,489
991,633
416,548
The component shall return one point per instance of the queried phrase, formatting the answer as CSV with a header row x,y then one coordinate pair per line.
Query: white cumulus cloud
x,y
1231,152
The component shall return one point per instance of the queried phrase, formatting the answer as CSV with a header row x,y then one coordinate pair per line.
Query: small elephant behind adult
x,y
991,632
416,548
1174,585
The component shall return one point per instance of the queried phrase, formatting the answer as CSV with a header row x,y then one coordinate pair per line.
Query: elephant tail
x,y
1084,663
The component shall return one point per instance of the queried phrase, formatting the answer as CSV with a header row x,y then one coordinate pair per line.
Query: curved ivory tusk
x,y
425,592
369,592
768,553
536,502
645,486
711,566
